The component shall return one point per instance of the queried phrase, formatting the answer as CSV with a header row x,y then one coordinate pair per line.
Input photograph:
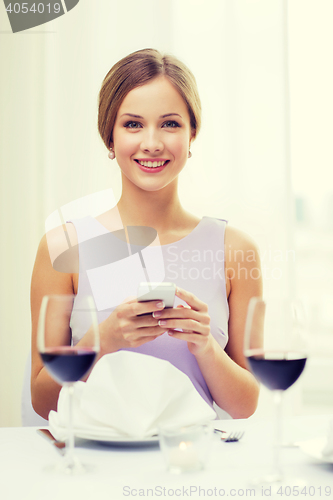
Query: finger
x,y
151,306
144,321
194,338
175,313
139,308
149,331
191,299
184,324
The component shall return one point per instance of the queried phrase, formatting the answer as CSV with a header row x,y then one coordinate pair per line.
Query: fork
x,y
230,437
59,445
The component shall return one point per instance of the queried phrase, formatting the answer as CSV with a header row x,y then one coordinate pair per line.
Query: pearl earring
x,y
189,154
111,154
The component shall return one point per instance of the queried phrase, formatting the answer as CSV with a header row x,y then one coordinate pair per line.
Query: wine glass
x,y
65,362
275,346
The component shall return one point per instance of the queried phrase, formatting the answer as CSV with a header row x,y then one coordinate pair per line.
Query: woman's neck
x,y
161,209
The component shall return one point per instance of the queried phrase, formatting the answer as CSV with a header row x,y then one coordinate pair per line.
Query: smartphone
x,y
157,291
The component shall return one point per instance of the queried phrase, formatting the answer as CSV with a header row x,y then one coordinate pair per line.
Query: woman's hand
x,y
194,320
126,328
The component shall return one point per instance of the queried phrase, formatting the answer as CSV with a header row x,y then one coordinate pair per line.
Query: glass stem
x,y
70,439
278,429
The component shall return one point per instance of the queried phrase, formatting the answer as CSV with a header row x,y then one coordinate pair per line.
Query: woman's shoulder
x,y
233,237
239,246
59,245
238,238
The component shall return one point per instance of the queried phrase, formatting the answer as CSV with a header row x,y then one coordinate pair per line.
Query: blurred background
x,y
263,159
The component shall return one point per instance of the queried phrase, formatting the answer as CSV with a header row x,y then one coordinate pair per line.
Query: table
x,y
119,473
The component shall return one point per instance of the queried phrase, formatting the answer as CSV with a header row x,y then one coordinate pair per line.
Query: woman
x,y
149,114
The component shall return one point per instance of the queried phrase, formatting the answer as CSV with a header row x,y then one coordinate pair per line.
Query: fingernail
x,y
157,314
160,305
162,322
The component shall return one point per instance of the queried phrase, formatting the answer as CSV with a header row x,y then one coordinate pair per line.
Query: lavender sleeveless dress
x,y
195,263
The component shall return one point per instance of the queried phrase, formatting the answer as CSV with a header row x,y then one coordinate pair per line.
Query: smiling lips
x,y
156,164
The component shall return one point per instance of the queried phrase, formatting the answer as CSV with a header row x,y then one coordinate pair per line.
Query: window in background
x,y
311,78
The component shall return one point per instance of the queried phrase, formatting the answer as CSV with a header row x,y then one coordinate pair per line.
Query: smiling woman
x,y
146,140
136,70
149,114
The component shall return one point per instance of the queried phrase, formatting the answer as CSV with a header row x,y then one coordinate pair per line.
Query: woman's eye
x,y
171,124
132,125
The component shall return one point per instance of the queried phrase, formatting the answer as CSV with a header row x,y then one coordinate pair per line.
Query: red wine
x,y
277,370
68,364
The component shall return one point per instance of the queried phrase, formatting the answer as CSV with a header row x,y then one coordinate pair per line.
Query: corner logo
x,y
26,15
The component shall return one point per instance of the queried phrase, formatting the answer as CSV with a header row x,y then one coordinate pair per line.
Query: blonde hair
x,y
135,70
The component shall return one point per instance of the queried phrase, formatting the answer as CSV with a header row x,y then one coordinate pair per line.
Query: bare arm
x,y
123,328
45,281
232,386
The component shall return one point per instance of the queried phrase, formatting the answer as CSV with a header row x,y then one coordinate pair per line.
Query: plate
x,y
314,447
118,441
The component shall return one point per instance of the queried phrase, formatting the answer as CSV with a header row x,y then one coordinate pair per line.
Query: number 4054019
x,y
36,8
294,491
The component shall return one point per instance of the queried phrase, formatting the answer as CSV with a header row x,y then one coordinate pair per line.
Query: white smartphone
x,y
157,291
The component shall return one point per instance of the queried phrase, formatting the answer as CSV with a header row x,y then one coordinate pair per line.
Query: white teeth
x,y
151,164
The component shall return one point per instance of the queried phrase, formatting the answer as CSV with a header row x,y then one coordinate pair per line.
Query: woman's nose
x,y
151,142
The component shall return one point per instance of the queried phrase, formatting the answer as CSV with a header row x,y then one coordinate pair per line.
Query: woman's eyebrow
x,y
170,114
141,117
133,116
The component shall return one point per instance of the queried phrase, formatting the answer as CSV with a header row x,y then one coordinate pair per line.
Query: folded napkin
x,y
328,448
129,395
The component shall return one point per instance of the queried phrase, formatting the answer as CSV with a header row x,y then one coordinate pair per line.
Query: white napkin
x,y
129,395
328,448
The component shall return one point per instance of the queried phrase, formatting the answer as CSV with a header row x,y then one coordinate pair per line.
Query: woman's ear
x,y
193,134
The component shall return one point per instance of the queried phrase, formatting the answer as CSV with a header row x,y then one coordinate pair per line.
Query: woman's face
x,y
152,134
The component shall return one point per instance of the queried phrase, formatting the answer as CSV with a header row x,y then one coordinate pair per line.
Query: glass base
x,y
68,466
278,484
267,479
177,469
289,444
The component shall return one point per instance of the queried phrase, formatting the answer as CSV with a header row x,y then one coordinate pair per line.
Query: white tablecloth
x,y
117,473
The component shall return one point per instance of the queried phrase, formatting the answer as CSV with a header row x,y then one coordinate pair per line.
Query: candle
x,y
185,449
184,457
